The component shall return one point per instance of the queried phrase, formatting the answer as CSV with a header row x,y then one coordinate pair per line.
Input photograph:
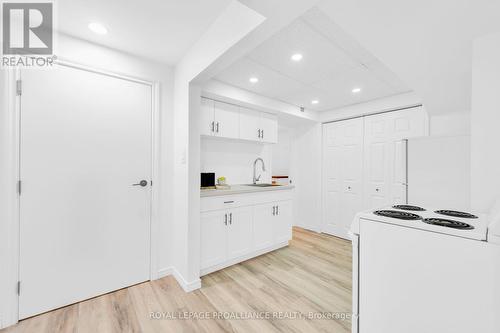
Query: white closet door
x,y
342,175
351,172
377,161
84,227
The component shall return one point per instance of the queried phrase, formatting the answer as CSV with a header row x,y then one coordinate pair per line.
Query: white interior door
x,y
343,175
84,228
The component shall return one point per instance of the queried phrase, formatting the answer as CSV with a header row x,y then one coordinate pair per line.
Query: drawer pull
x,y
230,201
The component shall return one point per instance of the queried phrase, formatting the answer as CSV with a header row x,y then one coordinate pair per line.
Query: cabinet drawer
x,y
240,200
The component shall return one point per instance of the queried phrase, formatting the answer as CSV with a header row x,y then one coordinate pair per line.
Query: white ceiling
x,y
162,30
427,43
332,65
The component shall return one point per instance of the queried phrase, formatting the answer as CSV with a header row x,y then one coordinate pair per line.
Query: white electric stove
x,y
421,269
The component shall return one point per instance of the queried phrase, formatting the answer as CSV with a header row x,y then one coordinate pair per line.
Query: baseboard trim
x,y
185,285
242,258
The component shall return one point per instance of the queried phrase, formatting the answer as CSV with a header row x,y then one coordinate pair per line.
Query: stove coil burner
x,y
448,223
397,214
455,213
409,207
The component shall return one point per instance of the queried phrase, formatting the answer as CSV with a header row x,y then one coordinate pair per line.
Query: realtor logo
x,y
27,28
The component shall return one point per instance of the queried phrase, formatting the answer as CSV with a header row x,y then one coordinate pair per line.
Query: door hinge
x,y
19,87
19,287
19,187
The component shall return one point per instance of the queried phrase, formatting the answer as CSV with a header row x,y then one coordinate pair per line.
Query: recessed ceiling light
x,y
314,101
296,57
253,79
98,28
356,90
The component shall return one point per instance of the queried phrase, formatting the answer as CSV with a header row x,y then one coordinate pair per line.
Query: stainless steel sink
x,y
261,185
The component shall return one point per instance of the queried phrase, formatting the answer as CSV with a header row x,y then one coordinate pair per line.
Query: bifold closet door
x,y
85,166
342,175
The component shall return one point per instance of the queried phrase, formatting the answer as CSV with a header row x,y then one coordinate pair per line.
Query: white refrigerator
x,y
438,172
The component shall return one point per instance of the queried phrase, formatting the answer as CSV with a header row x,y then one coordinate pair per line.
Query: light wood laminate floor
x,y
311,276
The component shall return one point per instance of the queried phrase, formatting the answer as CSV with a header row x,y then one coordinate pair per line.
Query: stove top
x,y
466,225
409,207
455,213
448,223
397,214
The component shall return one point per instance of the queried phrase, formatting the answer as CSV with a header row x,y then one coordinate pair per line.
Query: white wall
x,y
282,152
234,160
306,176
450,124
485,120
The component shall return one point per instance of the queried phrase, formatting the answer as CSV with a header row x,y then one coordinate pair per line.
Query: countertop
x,y
240,189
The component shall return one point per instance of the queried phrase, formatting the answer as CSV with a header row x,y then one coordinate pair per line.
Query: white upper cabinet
x,y
258,126
250,125
207,117
269,127
225,120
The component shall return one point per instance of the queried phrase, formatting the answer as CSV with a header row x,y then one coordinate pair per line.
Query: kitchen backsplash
x,y
234,160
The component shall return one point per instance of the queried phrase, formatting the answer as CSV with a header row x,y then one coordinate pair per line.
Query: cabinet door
x,y
249,125
207,117
263,220
283,222
269,127
377,160
239,239
227,120
213,238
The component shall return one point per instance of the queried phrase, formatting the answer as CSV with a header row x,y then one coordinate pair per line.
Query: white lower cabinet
x,y
263,226
213,241
239,235
235,234
283,224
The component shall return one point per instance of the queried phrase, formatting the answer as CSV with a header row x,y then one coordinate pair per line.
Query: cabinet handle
x,y
262,132
274,210
217,130
230,218
377,189
225,219
277,210
230,201
212,126
258,133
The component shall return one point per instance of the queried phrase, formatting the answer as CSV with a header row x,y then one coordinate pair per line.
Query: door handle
x,y
142,183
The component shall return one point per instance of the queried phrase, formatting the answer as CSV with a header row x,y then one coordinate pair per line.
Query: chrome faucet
x,y
255,178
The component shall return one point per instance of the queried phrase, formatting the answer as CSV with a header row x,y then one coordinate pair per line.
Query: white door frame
x,y
9,303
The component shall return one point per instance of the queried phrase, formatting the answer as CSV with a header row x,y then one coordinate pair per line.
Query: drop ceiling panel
x,y
271,83
326,101
333,64
321,58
